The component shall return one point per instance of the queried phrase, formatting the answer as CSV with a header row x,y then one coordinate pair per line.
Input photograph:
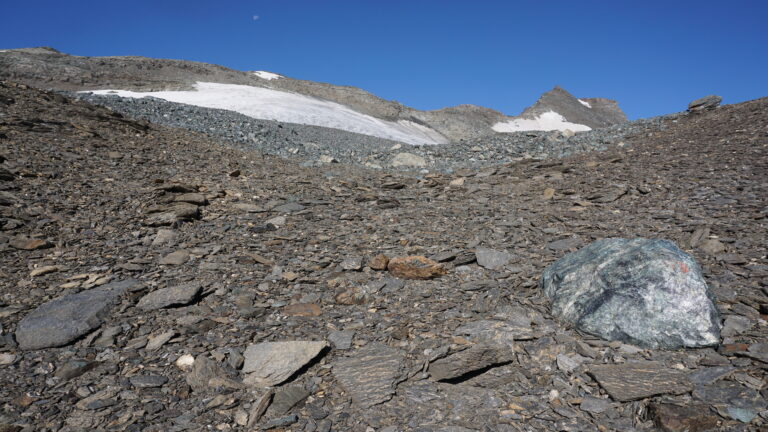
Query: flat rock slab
x,y
492,259
632,381
62,320
371,374
173,296
271,363
470,360
674,418
643,292
499,333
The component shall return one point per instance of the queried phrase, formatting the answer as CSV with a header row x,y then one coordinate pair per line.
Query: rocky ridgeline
x,y
155,280
316,146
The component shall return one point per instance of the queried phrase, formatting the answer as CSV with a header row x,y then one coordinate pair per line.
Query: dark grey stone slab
x,y
62,320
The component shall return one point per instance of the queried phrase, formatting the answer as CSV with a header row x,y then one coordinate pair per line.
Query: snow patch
x,y
269,104
269,76
585,103
547,121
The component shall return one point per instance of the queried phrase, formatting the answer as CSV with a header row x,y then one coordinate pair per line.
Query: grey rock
x,y
712,247
632,381
289,208
736,325
371,374
492,259
408,160
173,296
285,398
463,362
707,376
644,292
62,320
353,263
706,103
178,257
148,381
271,363
341,340
594,405
280,422
498,333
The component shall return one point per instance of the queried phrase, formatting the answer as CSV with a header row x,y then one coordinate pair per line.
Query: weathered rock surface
x,y
644,292
705,103
631,381
472,359
60,321
271,363
370,374
173,296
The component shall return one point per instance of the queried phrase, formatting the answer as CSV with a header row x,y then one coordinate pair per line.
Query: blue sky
x,y
651,56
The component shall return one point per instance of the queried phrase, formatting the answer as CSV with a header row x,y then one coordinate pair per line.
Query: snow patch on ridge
x,y
268,104
585,103
269,76
547,121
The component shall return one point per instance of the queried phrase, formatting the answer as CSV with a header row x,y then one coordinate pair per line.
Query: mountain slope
x,y
48,68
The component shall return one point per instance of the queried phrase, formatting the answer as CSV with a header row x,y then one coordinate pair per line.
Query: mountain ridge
x,y
46,67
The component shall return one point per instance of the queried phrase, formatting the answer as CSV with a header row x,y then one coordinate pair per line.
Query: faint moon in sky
x,y
255,17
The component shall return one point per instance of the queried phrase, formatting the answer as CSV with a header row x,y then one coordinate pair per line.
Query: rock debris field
x,y
154,279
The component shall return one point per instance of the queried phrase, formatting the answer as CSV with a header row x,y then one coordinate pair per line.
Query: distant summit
x,y
267,95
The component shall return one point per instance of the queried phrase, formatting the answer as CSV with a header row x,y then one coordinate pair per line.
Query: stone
x,y
594,405
643,292
475,358
28,244
74,368
62,320
285,398
492,259
192,198
303,310
172,213
249,208
148,381
370,375
6,359
712,247
632,381
174,296
291,207
379,262
499,333
341,340
415,267
353,263
272,363
706,103
280,422
706,376
185,362
44,270
408,160
175,258
688,418
164,237
204,373
735,325
157,341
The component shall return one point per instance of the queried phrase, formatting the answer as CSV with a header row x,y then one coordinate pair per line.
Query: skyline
x,y
653,59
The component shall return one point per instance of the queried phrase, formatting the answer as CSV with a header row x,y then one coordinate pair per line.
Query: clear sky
x,y
652,56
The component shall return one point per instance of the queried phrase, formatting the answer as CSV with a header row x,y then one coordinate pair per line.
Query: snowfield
x,y
268,104
269,76
547,121
585,103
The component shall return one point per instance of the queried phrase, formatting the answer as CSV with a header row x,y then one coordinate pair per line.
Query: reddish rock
x,y
415,267
303,309
379,262
25,243
673,418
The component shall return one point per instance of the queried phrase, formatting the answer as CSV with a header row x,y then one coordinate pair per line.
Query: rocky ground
x,y
155,280
315,146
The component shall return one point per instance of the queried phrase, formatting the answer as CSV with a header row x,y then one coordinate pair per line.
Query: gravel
x,y
315,145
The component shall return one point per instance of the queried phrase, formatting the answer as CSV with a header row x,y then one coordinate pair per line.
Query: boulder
x,y
408,160
62,320
704,104
640,291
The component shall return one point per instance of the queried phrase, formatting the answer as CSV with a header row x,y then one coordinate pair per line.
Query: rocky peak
x,y
593,112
